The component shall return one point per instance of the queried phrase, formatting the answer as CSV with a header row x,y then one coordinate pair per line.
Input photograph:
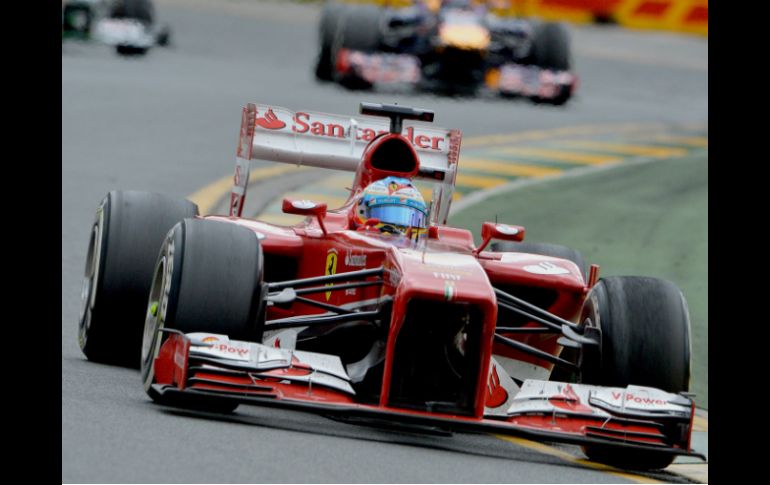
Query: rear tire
x,y
551,50
551,47
141,10
359,29
77,20
330,17
645,331
125,238
208,278
163,38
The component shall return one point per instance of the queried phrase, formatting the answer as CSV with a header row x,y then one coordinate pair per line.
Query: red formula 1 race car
x,y
378,311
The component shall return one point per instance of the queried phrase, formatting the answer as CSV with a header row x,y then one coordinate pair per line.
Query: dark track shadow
x,y
433,439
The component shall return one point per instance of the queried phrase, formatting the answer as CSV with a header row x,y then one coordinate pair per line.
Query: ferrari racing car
x,y
128,25
453,47
379,311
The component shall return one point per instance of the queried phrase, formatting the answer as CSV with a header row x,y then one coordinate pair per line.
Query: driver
x,y
393,205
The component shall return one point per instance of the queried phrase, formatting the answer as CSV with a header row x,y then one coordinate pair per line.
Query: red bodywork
x,y
443,269
412,272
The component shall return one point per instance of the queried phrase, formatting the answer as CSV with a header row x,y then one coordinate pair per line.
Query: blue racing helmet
x,y
397,204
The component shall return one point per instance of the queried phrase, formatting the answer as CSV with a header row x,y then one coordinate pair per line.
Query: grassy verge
x,y
644,219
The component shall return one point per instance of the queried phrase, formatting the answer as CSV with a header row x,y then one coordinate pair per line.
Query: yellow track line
x,y
339,181
561,155
565,131
479,181
549,450
427,192
208,196
700,424
515,169
627,149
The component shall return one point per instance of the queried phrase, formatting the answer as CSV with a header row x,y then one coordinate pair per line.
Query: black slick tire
x,y
125,237
207,278
645,341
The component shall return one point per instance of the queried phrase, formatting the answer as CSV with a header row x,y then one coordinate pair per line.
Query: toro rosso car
x,y
453,47
128,25
379,311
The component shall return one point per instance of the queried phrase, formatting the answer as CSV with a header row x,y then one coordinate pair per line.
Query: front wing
x,y
509,79
212,366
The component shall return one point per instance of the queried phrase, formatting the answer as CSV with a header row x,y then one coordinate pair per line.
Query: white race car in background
x,y
129,25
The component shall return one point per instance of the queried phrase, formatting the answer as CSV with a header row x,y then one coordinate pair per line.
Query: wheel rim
x,y
90,280
155,316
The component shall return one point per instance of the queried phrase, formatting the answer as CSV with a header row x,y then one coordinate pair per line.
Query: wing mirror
x,y
504,232
306,208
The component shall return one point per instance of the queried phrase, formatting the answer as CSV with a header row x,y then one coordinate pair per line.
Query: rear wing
x,y
312,139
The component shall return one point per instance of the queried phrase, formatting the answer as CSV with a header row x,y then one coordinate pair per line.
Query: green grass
x,y
639,219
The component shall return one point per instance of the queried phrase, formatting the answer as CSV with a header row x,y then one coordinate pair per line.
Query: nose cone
x,y
440,341
447,276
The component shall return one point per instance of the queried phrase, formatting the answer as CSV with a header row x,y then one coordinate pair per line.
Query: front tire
x,y
551,50
645,341
163,38
208,278
125,237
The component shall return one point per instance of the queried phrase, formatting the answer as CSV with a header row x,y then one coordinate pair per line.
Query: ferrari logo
x,y
331,268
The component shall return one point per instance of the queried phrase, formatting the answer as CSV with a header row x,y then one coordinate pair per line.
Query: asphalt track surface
x,y
168,122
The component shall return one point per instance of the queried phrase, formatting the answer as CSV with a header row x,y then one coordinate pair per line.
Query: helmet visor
x,y
398,215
